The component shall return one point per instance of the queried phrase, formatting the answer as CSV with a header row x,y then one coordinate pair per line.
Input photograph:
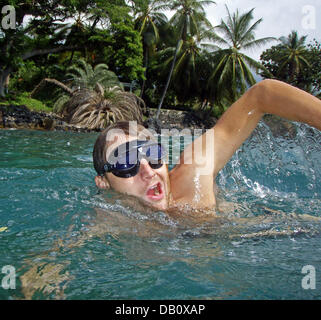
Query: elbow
x,y
261,94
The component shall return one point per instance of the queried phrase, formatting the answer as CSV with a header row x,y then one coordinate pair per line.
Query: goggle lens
x,y
128,159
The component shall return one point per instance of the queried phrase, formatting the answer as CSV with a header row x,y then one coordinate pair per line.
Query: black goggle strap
x,y
108,167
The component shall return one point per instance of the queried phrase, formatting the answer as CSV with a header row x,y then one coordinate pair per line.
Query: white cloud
x,y
280,17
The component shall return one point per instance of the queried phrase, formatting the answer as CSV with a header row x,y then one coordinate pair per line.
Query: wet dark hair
x,y
101,144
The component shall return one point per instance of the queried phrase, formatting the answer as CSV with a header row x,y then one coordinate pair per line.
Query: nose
x,y
145,171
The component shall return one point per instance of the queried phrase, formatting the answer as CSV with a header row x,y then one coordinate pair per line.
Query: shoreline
x,y
20,117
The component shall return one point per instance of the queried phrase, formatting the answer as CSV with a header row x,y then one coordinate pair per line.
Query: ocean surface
x,y
64,239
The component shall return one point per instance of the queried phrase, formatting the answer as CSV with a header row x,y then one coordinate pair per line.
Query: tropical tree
x,y
233,69
40,28
83,75
94,97
96,109
37,29
293,54
149,17
288,58
187,74
188,20
79,76
311,76
300,67
124,52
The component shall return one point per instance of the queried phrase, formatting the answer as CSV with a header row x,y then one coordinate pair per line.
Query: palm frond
x,y
247,72
95,109
258,43
59,104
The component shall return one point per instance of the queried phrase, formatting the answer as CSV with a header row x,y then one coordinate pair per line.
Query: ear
x,y
101,182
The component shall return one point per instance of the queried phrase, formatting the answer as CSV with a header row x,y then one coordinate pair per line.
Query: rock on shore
x,y
20,117
169,119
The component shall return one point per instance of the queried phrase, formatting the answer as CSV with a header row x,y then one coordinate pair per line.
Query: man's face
x,y
149,185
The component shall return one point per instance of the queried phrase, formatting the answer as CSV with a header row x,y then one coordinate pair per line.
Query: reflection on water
x,y
68,241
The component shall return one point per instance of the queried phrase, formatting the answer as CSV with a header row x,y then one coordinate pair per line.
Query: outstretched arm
x,y
209,153
269,96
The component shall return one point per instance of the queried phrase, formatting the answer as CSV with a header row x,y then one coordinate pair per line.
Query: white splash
x,y
196,180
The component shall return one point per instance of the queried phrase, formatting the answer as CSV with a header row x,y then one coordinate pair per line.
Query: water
x,y
68,241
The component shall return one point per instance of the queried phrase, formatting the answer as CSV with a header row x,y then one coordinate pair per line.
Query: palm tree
x,y
96,109
293,54
83,75
148,15
148,18
233,68
91,104
186,73
189,18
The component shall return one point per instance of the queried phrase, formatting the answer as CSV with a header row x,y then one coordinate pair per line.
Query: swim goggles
x,y
124,161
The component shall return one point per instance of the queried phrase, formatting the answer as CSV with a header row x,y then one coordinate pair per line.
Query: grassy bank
x,y
30,103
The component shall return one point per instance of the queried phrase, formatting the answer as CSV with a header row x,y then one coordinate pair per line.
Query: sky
x,y
280,17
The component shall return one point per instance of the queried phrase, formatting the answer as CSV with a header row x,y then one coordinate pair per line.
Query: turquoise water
x,y
66,240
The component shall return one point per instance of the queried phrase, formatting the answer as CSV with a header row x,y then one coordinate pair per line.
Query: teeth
x,y
155,189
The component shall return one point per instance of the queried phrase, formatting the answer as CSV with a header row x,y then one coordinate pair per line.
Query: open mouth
x,y
155,192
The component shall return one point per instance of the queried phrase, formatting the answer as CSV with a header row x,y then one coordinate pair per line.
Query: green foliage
x,y
125,55
190,17
311,76
149,20
83,75
185,77
26,76
41,34
96,109
30,103
287,59
188,20
294,62
59,104
148,16
137,42
233,72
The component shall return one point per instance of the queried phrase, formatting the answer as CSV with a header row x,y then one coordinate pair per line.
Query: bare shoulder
x,y
189,186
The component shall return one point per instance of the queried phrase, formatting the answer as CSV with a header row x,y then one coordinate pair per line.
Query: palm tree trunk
x,y
53,81
71,56
4,81
169,76
145,73
2,90
38,52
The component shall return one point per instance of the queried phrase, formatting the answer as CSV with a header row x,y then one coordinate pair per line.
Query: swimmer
x,y
191,183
